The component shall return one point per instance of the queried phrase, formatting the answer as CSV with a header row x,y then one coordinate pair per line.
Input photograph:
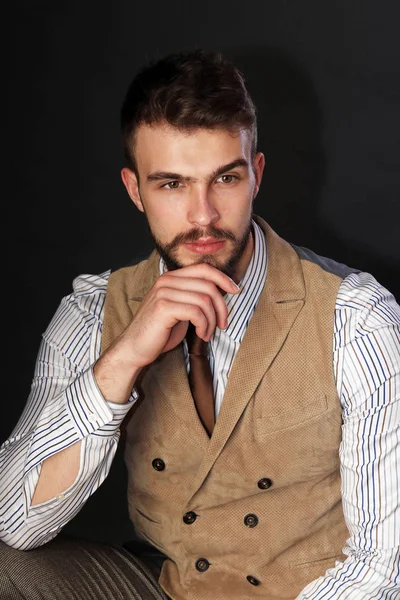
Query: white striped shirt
x,y
65,405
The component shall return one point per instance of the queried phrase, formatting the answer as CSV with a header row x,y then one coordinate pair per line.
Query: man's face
x,y
197,190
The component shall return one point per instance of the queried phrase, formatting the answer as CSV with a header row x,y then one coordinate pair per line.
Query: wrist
x,y
115,378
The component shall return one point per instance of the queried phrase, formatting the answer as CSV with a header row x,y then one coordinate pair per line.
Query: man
x,y
283,482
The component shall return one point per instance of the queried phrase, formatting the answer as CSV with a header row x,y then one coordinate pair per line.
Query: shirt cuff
x,y
98,415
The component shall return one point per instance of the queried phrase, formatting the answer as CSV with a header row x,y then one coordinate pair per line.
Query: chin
x,y
209,259
223,266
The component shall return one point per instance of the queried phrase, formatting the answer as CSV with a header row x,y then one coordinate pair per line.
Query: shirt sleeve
x,y
367,368
65,406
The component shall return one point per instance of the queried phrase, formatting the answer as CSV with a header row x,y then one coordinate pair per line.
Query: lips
x,y
205,246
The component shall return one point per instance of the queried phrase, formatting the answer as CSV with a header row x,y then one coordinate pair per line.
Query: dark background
x,y
325,77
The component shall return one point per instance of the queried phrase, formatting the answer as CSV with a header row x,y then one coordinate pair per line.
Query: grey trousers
x,y
69,569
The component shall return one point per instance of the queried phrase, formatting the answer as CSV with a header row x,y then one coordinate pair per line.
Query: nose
x,y
202,210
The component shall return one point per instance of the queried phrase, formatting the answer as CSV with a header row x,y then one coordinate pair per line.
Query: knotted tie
x,y
200,379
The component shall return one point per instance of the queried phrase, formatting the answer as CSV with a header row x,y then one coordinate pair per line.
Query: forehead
x,y
197,151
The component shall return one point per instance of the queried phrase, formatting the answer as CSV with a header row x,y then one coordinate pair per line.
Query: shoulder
x,y
358,292
369,301
85,285
88,292
79,310
135,279
367,320
75,329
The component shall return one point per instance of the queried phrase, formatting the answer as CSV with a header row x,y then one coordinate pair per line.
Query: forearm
x,y
24,526
115,377
46,443
63,445
59,471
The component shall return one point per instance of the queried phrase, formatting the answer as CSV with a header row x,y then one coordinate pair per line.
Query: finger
x,y
200,299
170,313
208,273
203,287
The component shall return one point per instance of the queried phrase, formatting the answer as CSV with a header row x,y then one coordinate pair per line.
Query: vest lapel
x,y
279,305
125,291
169,371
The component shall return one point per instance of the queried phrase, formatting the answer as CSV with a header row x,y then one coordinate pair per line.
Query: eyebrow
x,y
162,175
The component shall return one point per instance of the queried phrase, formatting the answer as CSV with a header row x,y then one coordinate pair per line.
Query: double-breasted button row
x,y
264,484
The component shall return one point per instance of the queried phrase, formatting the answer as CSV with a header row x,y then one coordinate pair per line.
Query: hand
x,y
189,294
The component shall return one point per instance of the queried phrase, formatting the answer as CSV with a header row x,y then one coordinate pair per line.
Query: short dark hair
x,y
187,90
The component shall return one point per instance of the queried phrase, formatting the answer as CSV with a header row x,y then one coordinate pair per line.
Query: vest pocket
x,y
320,562
146,517
292,412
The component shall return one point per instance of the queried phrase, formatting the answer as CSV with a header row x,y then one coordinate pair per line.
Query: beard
x,y
168,252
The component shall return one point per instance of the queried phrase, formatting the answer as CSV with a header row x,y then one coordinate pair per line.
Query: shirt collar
x,y
241,306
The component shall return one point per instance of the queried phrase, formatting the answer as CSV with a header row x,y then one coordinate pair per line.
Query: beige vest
x,y
265,489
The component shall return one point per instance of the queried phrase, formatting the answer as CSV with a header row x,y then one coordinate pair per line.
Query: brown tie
x,y
200,379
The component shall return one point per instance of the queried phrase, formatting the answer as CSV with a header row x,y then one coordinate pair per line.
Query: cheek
x,y
236,209
165,220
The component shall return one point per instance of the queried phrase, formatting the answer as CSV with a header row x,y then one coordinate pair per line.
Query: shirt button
x,y
264,484
253,580
189,517
250,520
202,564
158,464
60,497
92,418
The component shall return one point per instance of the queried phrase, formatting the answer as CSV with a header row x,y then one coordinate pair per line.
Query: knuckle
x,y
161,303
205,298
197,312
160,281
211,289
159,294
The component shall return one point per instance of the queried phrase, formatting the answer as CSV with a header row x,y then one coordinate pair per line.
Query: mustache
x,y
195,234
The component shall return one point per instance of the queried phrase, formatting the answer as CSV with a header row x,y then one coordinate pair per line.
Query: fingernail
x,y
235,284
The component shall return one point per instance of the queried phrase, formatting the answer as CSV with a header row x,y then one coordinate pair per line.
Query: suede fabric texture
x,y
280,420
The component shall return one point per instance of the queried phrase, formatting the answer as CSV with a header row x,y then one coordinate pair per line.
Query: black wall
x,y
325,77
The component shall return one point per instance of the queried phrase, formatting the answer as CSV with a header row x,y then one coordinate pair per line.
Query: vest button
x,y
158,464
250,520
264,484
189,517
202,564
253,580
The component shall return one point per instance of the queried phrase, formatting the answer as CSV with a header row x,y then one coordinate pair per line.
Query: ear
x,y
130,182
258,165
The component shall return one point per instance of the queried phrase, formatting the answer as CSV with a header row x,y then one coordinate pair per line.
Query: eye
x,y
172,185
227,178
